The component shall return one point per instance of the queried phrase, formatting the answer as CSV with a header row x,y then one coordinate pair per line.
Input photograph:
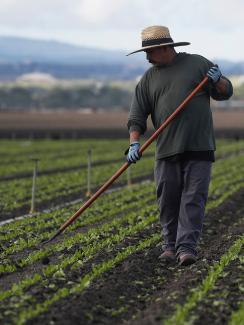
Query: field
x,y
104,269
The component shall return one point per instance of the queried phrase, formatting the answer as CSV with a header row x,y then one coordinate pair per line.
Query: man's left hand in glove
x,y
214,74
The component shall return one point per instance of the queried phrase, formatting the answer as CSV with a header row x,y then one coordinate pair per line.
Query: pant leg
x,y
168,181
192,208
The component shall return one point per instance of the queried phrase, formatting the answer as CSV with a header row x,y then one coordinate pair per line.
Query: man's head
x,y
160,55
157,36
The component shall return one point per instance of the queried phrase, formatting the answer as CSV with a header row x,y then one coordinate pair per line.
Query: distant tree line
x,y
19,98
22,96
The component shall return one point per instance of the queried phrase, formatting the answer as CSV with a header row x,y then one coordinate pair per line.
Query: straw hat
x,y
156,36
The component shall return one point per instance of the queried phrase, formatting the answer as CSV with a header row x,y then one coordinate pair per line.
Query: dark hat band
x,y
157,41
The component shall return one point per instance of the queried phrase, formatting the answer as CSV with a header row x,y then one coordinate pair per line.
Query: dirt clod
x,y
45,260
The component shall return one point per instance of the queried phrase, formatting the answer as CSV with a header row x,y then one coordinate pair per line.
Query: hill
x,y
19,56
16,50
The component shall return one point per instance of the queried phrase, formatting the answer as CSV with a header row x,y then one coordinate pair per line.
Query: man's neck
x,y
168,58
171,56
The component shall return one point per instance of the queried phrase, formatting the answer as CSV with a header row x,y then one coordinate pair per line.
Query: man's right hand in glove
x,y
133,152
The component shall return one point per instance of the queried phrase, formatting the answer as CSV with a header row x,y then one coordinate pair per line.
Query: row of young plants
x,y
95,240
70,158
65,155
225,296
18,151
112,221
225,181
26,235
112,202
19,235
97,271
89,246
50,188
55,155
57,297
20,243
183,312
39,307
16,194
178,318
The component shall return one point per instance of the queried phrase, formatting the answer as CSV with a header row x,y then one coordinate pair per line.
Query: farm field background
x,y
79,123
104,269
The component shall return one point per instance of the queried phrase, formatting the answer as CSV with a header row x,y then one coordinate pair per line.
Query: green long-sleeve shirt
x,y
161,90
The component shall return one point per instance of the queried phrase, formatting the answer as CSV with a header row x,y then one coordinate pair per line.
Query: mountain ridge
x,y
19,49
20,55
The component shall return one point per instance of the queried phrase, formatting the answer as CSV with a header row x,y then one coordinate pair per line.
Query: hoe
x,y
127,164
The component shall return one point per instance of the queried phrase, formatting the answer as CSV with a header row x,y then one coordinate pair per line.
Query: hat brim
x,y
159,45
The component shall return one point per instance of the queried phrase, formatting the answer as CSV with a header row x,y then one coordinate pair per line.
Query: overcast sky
x,y
215,28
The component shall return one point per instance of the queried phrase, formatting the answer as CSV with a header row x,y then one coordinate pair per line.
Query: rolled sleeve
x,y
217,96
135,127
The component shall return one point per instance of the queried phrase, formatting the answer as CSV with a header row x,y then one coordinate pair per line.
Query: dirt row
x,y
144,290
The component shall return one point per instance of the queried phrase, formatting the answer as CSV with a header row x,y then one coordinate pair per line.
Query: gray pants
x,y
182,191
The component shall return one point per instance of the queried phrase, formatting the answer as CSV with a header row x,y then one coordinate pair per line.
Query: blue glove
x,y
133,152
214,74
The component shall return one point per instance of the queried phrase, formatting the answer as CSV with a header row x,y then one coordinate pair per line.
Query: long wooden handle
x,y
127,164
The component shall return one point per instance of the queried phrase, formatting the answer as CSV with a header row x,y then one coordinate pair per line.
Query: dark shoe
x,y
168,255
186,259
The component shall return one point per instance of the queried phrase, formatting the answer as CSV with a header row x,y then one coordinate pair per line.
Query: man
x,y
185,149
